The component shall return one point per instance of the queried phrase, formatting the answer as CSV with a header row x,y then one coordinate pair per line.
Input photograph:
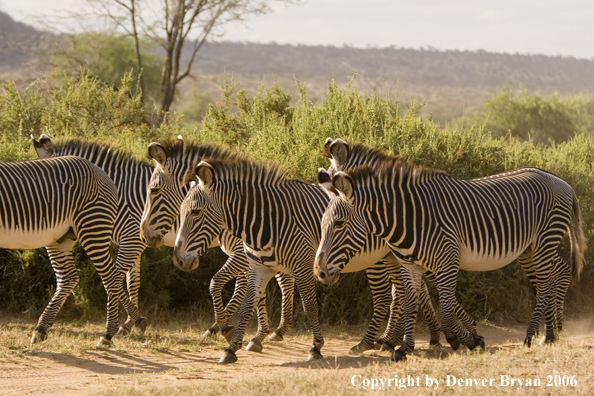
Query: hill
x,y
454,83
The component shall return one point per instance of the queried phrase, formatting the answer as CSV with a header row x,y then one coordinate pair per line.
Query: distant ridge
x,y
16,38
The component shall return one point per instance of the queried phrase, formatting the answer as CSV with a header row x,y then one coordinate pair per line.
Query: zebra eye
x,y
196,211
339,224
154,190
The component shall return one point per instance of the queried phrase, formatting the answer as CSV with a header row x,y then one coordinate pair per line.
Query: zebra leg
x,y
129,254
306,285
66,279
455,333
258,278
379,282
236,267
394,333
429,315
561,279
286,282
255,344
95,241
412,276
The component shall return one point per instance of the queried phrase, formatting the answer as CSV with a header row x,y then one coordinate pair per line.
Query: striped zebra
x,y
53,203
434,221
343,157
131,177
162,207
161,210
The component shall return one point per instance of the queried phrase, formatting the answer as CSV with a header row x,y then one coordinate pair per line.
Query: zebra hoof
x,y
275,336
398,356
360,348
479,343
228,357
528,342
38,336
228,332
104,341
454,342
210,332
314,354
255,345
141,324
547,340
386,347
435,344
122,332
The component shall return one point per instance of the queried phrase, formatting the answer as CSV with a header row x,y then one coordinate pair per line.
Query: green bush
x,y
532,116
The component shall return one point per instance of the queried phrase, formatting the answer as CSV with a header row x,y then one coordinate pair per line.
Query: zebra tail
x,y
578,241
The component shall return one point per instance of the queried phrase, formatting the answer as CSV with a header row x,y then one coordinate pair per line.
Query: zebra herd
x,y
369,211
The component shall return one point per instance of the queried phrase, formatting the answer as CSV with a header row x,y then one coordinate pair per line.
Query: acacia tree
x,y
174,23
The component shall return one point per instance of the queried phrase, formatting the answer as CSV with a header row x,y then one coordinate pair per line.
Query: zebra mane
x,y
192,150
361,153
96,151
394,167
244,168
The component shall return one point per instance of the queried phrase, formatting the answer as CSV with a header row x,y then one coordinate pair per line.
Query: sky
x,y
549,27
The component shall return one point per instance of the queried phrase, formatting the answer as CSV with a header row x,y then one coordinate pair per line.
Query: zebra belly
x,y
365,259
477,261
33,239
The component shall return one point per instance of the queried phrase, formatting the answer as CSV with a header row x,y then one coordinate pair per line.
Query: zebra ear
x,y
339,151
326,182
157,152
205,173
179,142
44,148
344,184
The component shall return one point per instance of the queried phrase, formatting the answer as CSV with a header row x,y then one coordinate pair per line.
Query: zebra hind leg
x,y
255,344
66,278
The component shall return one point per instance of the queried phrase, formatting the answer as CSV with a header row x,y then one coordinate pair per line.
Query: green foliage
x,y
109,57
531,116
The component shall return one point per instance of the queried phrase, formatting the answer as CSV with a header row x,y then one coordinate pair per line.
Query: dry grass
x,y
571,358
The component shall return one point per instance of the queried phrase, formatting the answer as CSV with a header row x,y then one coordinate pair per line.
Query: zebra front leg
x,y
380,285
235,267
306,285
412,277
394,333
66,279
258,278
286,282
129,260
454,331
429,315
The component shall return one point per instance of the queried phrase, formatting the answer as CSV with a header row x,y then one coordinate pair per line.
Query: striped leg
x,y
60,255
258,278
255,344
286,283
95,241
379,282
128,259
306,285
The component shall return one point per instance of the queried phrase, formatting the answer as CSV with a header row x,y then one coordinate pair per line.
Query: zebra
x,y
174,162
434,221
53,203
342,157
161,210
131,177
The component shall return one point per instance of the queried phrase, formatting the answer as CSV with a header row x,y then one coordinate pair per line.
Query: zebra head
x,y
344,231
164,197
201,220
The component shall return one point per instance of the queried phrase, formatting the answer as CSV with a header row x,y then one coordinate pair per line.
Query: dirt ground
x,y
54,373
